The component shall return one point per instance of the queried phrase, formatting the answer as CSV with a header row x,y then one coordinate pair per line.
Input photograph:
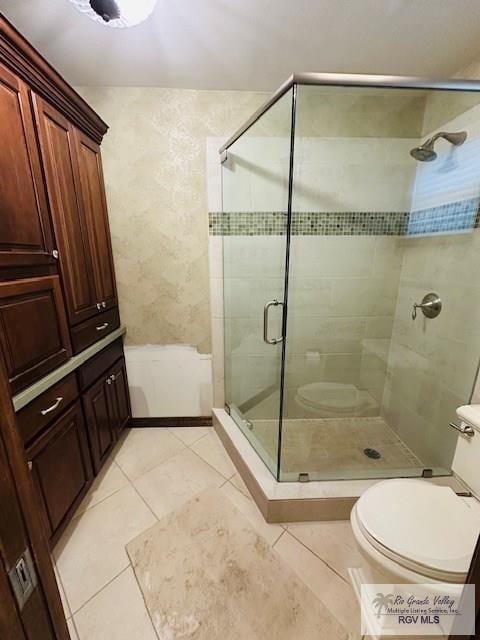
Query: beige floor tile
x,y
189,435
212,451
174,482
92,550
110,479
144,449
333,542
116,613
335,593
238,482
271,532
71,629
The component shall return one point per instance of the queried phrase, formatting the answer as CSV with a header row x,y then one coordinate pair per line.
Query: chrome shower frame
x,y
350,80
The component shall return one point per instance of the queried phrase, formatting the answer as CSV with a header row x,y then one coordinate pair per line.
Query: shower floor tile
x,y
335,446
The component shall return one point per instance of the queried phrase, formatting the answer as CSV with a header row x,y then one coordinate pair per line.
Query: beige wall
x,y
154,158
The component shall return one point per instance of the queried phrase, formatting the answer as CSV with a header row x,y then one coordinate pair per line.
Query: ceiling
x,y
253,44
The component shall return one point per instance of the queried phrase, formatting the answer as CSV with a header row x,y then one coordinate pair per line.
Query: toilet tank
x,y
466,461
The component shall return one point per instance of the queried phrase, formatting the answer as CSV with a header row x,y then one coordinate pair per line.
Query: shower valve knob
x,y
431,305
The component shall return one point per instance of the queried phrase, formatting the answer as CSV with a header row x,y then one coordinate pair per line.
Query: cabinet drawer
x,y
34,337
94,329
61,467
98,365
33,418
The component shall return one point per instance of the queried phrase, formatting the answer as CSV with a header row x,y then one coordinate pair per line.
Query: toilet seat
x,y
422,527
334,398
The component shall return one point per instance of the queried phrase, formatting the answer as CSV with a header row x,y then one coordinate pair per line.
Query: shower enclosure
x,y
351,274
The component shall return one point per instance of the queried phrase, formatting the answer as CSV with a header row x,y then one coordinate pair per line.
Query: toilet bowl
x,y
415,532
334,399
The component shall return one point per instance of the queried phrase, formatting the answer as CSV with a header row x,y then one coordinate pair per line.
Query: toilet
x,y
415,531
335,399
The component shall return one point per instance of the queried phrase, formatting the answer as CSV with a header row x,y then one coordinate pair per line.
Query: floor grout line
x,y
81,513
320,558
102,588
192,443
211,465
144,473
279,538
148,507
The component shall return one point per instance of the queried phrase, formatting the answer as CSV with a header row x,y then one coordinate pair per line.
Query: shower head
x,y
425,152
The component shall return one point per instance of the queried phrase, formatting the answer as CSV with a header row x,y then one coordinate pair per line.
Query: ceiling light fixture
x,y
116,13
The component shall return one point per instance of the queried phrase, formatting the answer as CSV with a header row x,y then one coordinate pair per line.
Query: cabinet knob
x,y
104,304
112,377
99,306
30,465
55,254
102,327
108,381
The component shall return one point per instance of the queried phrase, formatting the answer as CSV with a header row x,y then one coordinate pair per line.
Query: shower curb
x,y
296,501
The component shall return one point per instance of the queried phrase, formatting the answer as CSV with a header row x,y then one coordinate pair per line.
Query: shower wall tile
x,y
353,174
319,257
379,327
218,362
215,256
311,335
432,364
341,303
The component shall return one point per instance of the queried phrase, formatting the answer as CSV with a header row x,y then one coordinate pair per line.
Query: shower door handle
x,y
266,309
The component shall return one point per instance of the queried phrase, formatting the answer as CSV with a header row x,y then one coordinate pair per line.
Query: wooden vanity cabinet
x,y
25,233
96,403
60,463
120,398
69,431
106,400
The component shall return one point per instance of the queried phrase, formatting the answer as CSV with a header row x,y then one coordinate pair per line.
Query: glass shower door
x,y
381,224
253,223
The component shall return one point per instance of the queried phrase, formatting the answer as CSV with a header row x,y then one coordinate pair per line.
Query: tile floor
x,y
151,473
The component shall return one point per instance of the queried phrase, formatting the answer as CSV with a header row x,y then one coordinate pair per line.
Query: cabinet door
x,y
61,466
101,434
25,234
95,208
34,337
57,146
120,396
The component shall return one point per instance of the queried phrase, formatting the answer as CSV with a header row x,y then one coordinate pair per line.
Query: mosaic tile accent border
x,y
448,218
454,216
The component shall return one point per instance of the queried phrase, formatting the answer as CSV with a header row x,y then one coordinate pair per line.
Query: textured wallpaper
x,y
155,173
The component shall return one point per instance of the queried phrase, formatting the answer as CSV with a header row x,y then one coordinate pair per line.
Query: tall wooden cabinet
x,y
58,150
92,193
79,211
57,283
25,234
